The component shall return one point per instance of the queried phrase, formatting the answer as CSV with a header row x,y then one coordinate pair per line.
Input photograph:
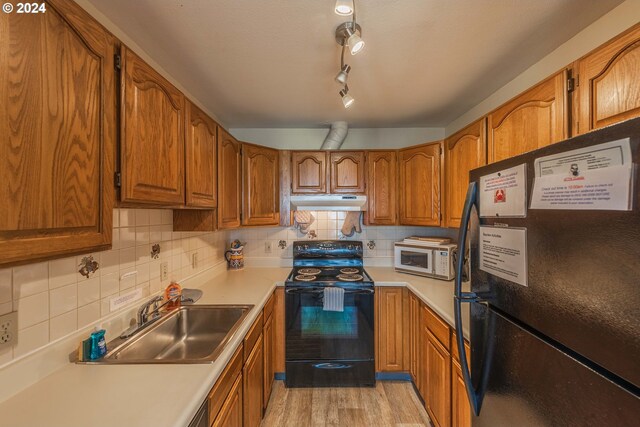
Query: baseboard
x,y
279,376
393,376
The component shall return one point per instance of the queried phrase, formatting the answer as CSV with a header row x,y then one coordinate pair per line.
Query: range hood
x,y
328,202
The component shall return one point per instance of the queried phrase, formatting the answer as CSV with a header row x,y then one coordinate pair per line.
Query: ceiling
x,y
258,63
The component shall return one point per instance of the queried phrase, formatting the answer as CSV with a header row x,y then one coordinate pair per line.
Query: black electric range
x,y
328,345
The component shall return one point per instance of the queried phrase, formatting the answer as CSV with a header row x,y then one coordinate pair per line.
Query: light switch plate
x,y
8,330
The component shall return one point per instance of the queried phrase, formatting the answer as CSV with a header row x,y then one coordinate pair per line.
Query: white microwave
x,y
425,259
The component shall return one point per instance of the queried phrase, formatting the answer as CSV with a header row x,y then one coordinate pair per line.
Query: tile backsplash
x,y
53,299
327,225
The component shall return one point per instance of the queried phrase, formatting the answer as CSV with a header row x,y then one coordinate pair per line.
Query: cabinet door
x,y
269,339
390,312
420,185
309,172
58,130
229,180
414,341
347,172
231,413
534,119
609,83
261,195
252,388
382,182
463,151
460,408
438,381
279,332
201,161
152,135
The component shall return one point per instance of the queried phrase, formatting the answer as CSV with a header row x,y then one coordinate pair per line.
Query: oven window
x,y
315,322
414,259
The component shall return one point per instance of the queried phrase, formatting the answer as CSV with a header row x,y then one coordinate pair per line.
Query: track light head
x,y
347,100
344,7
342,76
348,33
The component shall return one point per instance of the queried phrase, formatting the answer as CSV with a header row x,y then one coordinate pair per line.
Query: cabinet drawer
x,y
438,327
268,307
252,336
221,389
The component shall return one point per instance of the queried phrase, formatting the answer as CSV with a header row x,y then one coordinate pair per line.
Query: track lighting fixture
x,y
344,7
347,100
348,35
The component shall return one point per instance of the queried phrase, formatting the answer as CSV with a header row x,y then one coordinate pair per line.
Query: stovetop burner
x,y
305,278
350,277
309,271
349,270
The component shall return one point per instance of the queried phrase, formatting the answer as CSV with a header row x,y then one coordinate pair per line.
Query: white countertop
x,y
170,395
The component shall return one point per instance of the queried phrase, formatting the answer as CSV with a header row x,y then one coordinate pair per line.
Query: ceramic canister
x,y
235,258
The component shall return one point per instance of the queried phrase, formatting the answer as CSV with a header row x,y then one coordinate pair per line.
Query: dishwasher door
x,y
202,416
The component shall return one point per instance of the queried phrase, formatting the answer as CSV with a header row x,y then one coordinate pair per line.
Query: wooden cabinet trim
x,y
279,333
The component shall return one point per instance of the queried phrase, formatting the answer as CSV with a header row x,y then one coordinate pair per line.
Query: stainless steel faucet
x,y
143,311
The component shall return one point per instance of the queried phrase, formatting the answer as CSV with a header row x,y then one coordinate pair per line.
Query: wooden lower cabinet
x,y
231,413
392,319
437,380
279,330
414,342
268,333
460,408
253,379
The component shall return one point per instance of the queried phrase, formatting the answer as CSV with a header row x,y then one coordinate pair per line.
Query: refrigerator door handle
x,y
460,297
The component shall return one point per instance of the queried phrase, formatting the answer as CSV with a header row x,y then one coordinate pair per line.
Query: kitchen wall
x,y
327,225
53,300
608,26
360,139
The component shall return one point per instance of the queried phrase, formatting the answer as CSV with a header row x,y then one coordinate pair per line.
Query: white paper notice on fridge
x,y
503,253
598,177
504,193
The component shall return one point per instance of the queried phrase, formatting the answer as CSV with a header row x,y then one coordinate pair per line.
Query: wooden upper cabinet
x,y
261,190
152,135
382,182
463,151
347,170
58,130
534,119
309,172
201,161
608,83
229,180
420,185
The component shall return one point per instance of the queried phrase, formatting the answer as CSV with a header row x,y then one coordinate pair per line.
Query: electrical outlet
x,y
268,247
164,271
8,329
194,260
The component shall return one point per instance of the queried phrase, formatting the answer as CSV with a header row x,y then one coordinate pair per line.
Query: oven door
x,y
329,348
414,259
314,333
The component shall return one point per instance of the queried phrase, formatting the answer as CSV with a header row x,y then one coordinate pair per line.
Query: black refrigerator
x,y
554,256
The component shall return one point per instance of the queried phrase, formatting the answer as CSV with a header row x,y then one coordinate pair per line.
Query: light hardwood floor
x,y
389,404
